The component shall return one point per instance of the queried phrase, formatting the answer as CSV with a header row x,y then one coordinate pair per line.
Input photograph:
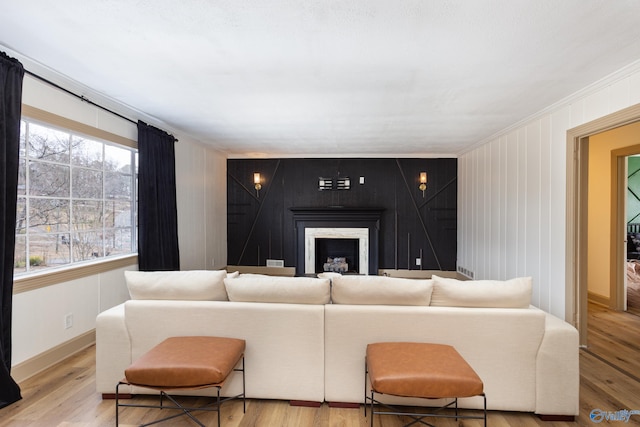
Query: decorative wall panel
x,y
414,225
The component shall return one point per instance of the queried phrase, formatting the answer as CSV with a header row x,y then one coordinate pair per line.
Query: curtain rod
x,y
83,98
87,100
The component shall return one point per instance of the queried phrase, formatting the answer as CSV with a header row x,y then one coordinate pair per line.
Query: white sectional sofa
x,y
306,337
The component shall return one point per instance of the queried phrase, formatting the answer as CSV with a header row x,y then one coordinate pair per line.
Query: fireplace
x,y
337,232
336,238
337,255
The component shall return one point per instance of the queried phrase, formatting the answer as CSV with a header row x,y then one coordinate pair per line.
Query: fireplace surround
x,y
313,235
336,222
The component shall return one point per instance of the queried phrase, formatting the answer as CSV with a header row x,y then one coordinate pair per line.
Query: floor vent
x,y
275,263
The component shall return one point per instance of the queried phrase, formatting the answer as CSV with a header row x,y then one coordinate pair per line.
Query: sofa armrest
x,y
113,349
557,369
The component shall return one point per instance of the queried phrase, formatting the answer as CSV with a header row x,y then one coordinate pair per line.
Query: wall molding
x,y
42,361
31,282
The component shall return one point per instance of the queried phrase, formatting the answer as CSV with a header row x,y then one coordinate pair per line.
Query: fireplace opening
x,y
337,255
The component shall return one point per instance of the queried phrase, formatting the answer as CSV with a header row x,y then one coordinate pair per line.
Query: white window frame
x,y
49,276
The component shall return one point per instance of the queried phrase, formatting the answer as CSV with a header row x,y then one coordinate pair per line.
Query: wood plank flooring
x,y
64,395
633,287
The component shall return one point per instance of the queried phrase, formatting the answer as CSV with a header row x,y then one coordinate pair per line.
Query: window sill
x,y
30,282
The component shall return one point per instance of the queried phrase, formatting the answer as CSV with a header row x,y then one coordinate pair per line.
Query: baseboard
x,y
420,274
598,299
42,361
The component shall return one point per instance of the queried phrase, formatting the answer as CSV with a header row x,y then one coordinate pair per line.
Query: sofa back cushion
x,y
278,289
513,293
194,285
380,290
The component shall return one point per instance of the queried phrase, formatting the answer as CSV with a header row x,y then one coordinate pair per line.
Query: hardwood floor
x,y
633,287
64,395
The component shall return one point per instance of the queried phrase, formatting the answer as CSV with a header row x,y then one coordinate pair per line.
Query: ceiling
x,y
333,78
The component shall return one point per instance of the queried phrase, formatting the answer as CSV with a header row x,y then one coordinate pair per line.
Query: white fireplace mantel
x,y
311,234
337,222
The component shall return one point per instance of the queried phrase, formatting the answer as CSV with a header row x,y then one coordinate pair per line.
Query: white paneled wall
x,y
512,191
216,211
201,182
190,185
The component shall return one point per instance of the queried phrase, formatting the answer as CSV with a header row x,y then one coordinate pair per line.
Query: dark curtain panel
x,y
11,74
157,208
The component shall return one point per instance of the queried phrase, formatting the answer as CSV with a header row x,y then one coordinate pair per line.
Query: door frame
x,y
576,300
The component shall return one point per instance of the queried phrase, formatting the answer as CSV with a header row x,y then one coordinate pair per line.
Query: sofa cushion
x,y
380,290
513,293
278,289
195,285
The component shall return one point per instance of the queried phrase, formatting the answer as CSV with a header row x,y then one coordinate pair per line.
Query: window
x,y
76,198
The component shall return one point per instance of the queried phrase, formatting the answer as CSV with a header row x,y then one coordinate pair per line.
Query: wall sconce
x,y
423,182
257,184
325,184
334,183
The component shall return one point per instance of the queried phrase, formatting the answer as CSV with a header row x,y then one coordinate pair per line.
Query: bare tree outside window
x,y
75,199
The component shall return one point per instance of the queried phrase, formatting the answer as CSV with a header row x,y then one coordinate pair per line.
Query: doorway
x,y
632,236
578,192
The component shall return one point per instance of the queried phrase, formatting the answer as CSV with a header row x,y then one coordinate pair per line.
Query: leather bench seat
x,y
186,362
424,370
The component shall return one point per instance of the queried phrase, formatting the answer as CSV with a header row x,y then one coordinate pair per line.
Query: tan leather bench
x,y
184,363
423,370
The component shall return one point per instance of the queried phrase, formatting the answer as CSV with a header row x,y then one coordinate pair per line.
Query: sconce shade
x,y
256,181
423,182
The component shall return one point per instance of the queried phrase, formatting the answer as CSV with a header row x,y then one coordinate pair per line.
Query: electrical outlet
x,y
68,321
418,261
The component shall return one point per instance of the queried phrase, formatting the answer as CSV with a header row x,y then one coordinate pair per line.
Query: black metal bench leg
x,y
372,407
485,409
366,371
218,405
244,392
456,409
183,410
117,402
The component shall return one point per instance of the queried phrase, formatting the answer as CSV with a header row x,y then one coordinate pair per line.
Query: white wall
x,y
38,315
201,179
512,191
